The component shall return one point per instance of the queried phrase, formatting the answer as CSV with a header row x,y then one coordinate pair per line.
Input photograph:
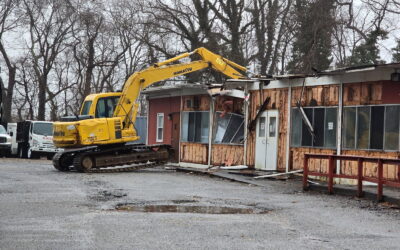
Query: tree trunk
x,y
90,68
42,98
9,94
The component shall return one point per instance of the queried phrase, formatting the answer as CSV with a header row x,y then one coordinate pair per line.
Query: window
x,y
229,128
2,130
261,129
330,127
160,127
272,126
376,134
296,128
42,128
371,127
319,127
323,121
349,127
363,114
392,128
195,126
105,106
86,107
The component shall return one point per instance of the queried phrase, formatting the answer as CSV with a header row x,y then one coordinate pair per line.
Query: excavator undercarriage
x,y
96,159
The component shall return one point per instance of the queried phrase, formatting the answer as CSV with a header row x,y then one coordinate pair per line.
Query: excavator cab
x,y
95,124
100,105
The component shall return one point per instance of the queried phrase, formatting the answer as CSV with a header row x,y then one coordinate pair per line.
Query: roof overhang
x,y
175,90
191,89
367,73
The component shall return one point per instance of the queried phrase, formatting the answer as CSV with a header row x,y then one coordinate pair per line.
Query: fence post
x,y
380,180
330,175
360,178
305,173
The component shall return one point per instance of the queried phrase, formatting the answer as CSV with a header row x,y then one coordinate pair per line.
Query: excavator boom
x,y
165,70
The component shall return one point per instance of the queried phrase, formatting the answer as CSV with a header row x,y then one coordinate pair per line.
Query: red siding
x,y
391,92
167,106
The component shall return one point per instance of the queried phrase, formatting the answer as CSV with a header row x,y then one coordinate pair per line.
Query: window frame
x,y
384,127
181,137
160,127
312,122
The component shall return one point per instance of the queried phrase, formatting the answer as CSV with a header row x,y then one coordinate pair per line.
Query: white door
x,y
267,140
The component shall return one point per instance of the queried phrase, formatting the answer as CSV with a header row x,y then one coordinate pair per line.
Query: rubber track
x,y
109,169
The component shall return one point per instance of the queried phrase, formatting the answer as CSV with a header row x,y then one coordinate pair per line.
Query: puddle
x,y
189,209
184,201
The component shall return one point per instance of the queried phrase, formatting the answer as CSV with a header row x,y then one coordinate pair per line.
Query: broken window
x,y
229,128
323,121
371,127
195,126
306,137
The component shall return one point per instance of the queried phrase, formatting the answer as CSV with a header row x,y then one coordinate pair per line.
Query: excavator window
x,y
86,108
105,106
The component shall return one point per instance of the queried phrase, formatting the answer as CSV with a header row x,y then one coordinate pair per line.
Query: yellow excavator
x,y
99,136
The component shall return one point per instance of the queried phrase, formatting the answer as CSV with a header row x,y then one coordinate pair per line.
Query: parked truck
x,y
5,142
33,139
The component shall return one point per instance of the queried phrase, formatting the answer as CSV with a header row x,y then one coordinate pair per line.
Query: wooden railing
x,y
332,159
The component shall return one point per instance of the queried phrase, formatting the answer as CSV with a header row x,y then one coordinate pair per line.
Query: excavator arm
x,y
127,106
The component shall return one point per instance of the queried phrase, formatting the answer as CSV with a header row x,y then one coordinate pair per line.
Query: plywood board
x,y
194,152
362,93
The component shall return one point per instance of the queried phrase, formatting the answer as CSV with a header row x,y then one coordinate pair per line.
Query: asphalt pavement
x,y
41,208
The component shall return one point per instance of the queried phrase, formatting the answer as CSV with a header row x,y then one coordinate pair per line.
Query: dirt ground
x,y
41,208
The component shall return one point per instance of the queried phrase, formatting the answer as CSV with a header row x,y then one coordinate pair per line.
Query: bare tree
x,y
8,22
180,27
90,23
50,24
270,24
26,101
233,26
